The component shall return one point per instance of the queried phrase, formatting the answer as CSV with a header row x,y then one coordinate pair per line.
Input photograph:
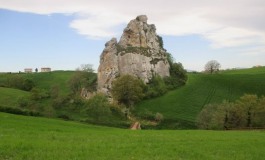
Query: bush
x,y
19,111
23,102
156,87
19,82
64,117
59,102
247,112
159,117
81,80
127,90
28,84
38,94
98,107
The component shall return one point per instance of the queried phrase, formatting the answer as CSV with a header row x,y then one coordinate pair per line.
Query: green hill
x,y
43,80
48,139
180,107
255,70
9,96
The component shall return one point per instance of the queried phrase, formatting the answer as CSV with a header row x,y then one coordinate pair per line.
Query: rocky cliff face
x,y
139,52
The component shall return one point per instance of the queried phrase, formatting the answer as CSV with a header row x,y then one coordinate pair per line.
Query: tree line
x,y
245,113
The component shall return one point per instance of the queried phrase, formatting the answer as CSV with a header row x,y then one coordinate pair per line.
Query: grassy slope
x,y
45,80
9,97
185,103
48,80
39,138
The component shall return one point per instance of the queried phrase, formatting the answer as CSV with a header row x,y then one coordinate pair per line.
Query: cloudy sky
x,y
63,34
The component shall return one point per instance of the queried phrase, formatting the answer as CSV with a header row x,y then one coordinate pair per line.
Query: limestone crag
x,y
139,52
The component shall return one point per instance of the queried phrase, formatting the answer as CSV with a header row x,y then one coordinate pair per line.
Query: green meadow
x,y
27,138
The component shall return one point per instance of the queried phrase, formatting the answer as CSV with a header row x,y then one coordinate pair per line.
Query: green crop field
x,y
28,138
180,107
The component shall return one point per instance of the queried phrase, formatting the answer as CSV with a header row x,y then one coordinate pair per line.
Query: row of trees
x,y
247,112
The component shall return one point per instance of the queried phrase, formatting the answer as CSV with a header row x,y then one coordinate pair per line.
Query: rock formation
x,y
139,52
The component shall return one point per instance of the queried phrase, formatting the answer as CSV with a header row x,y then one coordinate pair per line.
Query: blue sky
x,y
49,34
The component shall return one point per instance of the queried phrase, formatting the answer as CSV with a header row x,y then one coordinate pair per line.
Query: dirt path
x,y
135,126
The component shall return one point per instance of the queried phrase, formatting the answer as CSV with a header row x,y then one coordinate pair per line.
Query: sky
x,y
63,34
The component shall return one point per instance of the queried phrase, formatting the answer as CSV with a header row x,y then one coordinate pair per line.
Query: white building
x,y
28,70
46,69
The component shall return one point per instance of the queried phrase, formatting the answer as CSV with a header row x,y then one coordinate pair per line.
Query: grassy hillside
x,y
39,138
180,107
9,97
256,70
44,80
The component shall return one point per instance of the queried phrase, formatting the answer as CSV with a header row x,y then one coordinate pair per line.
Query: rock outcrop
x,y
139,52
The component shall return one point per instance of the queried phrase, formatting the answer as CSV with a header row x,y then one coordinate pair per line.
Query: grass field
x,y
45,80
9,97
180,107
29,138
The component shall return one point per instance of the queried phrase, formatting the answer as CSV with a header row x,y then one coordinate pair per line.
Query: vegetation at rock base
x,y
83,79
127,90
57,94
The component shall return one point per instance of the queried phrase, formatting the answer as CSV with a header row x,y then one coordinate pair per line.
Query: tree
x,y
212,66
127,90
85,68
249,103
178,76
81,80
156,87
28,84
248,112
98,107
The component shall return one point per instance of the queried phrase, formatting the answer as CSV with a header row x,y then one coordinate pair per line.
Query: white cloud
x,y
225,23
231,36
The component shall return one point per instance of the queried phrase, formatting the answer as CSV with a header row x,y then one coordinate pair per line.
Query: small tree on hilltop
x,y
212,66
85,68
127,90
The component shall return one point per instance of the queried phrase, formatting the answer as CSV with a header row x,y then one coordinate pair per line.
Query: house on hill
x,y
28,70
46,69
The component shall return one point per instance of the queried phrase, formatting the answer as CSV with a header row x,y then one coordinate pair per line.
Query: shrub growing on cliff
x,y
178,76
156,87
